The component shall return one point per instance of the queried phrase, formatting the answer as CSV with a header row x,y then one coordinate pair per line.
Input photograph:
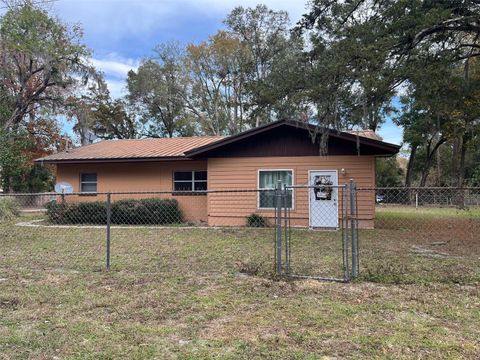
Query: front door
x,y
323,199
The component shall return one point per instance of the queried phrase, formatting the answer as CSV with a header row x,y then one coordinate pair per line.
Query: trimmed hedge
x,y
124,212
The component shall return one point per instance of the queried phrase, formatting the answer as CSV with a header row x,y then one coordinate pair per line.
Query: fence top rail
x,y
197,192
212,191
314,186
417,188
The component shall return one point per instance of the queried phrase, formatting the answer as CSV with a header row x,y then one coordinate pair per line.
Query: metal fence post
x,y
109,216
345,232
353,224
278,244
286,230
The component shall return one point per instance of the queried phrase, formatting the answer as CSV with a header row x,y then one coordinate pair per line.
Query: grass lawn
x,y
210,293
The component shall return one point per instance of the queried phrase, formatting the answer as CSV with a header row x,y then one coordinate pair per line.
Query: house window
x,y
186,181
88,183
268,180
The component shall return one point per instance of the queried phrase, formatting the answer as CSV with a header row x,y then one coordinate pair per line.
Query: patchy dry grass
x,y
187,293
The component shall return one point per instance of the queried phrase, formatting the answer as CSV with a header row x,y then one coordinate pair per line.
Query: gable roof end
x,y
363,137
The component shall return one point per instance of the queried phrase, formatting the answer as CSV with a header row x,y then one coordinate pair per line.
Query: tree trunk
x,y
439,169
411,160
458,159
429,160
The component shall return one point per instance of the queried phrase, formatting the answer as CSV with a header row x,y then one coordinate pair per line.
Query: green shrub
x,y
9,208
77,213
146,211
255,220
126,212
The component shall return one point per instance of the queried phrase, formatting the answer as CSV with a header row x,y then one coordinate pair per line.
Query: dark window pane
x,y
89,177
88,187
200,175
200,185
182,175
289,199
182,186
268,199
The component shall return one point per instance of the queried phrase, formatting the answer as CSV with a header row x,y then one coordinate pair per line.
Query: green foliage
x,y
158,90
364,52
146,211
128,212
13,162
17,172
96,112
475,177
388,172
9,208
256,220
238,78
42,60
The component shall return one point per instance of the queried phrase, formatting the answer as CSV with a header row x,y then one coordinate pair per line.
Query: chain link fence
x,y
422,235
137,231
321,239
404,235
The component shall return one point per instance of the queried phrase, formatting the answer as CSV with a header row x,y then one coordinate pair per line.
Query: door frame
x,y
309,201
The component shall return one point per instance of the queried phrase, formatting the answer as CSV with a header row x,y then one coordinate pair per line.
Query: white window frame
x,y
193,181
88,182
258,188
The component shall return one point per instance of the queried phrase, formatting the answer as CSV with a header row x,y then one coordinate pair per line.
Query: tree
x,y
362,51
96,113
388,172
41,60
158,89
113,119
19,148
264,35
216,96
80,107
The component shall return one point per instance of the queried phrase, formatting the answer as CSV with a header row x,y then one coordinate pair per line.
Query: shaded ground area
x,y
210,293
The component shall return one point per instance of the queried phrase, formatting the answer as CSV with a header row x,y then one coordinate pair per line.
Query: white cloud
x,y
118,67
117,88
117,19
114,18
123,31
115,69
295,8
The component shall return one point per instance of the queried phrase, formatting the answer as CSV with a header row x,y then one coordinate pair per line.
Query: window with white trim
x,y
186,181
88,182
268,180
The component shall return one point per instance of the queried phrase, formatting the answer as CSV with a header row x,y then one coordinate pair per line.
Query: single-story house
x,y
254,159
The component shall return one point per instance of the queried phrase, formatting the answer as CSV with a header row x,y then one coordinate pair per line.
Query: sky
x,y
122,32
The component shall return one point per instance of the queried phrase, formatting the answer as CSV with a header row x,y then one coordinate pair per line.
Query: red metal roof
x,y
133,149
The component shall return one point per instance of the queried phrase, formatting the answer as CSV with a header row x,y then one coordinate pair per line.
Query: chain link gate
x,y
315,252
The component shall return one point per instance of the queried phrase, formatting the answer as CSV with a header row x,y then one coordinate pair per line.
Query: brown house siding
x,y
136,177
224,209
242,172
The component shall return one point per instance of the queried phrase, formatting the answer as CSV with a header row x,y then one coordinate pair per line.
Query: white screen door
x,y
323,199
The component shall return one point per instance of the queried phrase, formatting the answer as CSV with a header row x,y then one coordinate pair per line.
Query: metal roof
x,y
132,149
